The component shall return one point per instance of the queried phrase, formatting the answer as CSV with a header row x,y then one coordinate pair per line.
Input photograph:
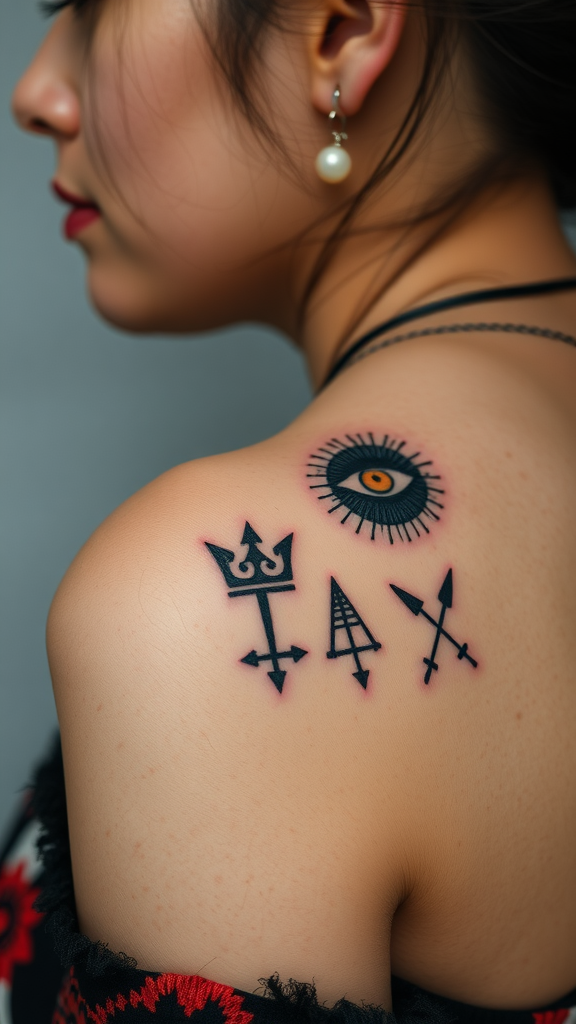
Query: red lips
x,y
82,214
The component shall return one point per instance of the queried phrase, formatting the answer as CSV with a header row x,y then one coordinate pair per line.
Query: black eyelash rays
x,y
378,484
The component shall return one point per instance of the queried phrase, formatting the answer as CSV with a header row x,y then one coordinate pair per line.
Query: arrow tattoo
x,y
416,606
343,615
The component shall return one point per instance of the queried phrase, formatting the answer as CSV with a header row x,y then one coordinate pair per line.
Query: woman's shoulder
x,y
421,508
472,459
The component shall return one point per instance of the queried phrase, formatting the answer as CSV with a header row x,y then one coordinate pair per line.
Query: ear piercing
x,y
333,163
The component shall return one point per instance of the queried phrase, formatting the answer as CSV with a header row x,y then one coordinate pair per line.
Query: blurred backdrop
x,y
89,415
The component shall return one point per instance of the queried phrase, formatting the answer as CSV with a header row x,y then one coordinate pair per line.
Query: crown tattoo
x,y
256,568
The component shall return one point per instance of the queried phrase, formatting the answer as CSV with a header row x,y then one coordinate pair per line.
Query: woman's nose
x,y
45,99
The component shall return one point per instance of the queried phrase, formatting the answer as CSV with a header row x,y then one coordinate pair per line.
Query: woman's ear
x,y
351,44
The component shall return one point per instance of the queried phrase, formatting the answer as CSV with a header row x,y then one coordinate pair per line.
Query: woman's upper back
x,y
367,763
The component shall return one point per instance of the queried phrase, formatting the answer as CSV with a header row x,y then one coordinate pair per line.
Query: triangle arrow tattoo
x,y
416,606
343,615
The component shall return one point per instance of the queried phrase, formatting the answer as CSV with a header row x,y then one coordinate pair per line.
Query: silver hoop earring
x,y
333,163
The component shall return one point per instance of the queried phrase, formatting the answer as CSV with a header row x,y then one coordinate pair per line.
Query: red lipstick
x,y
82,214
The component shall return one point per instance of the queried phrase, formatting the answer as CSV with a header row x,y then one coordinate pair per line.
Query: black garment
x,y
100,986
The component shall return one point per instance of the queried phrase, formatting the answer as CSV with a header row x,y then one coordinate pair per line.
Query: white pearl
x,y
333,164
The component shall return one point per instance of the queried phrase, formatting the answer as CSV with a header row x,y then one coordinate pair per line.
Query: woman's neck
x,y
509,237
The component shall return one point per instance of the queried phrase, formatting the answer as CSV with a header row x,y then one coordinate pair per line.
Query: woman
x,y
362,768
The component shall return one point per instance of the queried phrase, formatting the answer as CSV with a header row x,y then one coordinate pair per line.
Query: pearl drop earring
x,y
333,163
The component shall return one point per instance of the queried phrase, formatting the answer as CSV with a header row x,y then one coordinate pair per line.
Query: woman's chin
x,y
141,307
123,316
129,305
136,297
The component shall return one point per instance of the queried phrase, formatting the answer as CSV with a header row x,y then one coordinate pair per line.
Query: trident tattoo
x,y
259,575
416,606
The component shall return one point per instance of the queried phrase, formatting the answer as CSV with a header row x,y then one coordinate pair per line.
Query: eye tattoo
x,y
344,616
260,575
416,606
377,484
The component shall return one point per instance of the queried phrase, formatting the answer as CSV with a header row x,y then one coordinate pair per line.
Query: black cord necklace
x,y
358,350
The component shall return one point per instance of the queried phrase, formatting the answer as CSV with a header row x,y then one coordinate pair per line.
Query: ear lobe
x,y
352,47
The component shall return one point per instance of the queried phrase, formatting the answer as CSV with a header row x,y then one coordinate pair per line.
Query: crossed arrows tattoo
x,y
416,606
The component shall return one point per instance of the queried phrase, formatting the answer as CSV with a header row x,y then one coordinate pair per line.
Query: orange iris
x,y
376,480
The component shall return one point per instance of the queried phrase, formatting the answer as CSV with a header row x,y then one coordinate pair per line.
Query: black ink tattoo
x,y
344,616
260,575
416,606
377,484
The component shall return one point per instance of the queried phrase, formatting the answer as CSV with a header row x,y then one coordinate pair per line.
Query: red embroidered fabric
x,y
170,997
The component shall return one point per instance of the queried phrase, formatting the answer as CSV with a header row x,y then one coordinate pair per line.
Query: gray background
x,y
89,415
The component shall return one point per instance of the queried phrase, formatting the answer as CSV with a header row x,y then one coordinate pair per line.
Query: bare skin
x,y
217,826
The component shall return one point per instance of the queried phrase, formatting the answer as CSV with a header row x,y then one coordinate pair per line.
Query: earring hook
x,y
336,112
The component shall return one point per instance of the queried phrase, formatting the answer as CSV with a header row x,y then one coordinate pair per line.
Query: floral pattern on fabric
x,y
17,919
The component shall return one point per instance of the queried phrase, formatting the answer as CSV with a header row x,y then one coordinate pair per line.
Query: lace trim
x,y
411,1005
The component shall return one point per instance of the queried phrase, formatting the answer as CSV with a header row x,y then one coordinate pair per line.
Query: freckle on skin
x,y
518,715
99,708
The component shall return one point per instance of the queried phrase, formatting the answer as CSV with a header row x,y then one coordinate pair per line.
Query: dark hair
x,y
523,55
